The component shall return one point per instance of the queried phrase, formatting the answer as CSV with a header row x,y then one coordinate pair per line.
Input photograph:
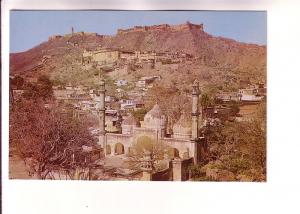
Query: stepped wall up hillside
x,y
220,58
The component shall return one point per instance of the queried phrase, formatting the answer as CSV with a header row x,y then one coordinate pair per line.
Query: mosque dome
x,y
128,124
130,120
183,127
155,118
155,112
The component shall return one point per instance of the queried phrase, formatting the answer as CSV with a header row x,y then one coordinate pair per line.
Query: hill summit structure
x,y
163,27
133,104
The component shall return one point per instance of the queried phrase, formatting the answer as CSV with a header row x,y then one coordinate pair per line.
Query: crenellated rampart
x,y
162,27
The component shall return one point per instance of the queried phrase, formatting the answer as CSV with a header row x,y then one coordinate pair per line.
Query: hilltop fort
x,y
159,87
188,26
163,27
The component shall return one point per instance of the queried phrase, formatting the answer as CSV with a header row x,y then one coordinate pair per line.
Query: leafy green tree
x,y
234,108
31,91
17,82
240,147
145,145
42,89
44,86
197,174
139,114
205,100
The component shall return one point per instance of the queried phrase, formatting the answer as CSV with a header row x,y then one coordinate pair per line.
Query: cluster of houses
x,y
87,101
140,89
110,57
147,82
251,94
121,82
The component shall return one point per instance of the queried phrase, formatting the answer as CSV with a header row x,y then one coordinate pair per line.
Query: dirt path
x,y
17,168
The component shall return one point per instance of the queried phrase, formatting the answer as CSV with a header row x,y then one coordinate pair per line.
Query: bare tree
x,y
46,139
146,146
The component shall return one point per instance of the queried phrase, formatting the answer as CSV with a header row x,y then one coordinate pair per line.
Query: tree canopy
x,y
41,89
238,148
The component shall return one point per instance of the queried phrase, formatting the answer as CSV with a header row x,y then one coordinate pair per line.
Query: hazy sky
x,y
30,28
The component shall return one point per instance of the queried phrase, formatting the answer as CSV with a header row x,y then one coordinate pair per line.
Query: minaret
x,y
102,113
195,111
195,118
147,166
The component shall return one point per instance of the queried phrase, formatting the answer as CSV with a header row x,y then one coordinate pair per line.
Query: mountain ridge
x,y
208,50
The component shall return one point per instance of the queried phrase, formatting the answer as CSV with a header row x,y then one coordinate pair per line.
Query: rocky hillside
x,y
212,50
215,56
55,47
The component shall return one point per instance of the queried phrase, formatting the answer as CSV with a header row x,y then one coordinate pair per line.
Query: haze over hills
x,y
216,60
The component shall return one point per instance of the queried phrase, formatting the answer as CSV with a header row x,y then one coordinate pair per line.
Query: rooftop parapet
x,y
54,37
163,27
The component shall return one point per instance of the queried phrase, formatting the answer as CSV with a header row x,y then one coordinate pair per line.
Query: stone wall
x,y
138,132
184,146
181,169
113,139
54,37
163,175
101,56
162,27
106,56
178,170
187,26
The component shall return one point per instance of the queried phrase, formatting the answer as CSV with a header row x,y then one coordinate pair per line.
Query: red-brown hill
x,y
217,52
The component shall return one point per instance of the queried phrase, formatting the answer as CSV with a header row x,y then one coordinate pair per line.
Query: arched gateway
x,y
119,149
185,143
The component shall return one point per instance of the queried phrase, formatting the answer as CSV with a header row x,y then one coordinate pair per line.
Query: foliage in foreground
x,y
47,139
238,149
42,136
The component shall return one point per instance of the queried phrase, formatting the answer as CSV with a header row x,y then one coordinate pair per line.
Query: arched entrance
x,y
130,151
144,143
173,153
119,149
186,154
108,149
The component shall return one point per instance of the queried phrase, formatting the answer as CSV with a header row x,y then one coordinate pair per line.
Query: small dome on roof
x,y
130,120
129,123
183,127
155,112
155,118
184,121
